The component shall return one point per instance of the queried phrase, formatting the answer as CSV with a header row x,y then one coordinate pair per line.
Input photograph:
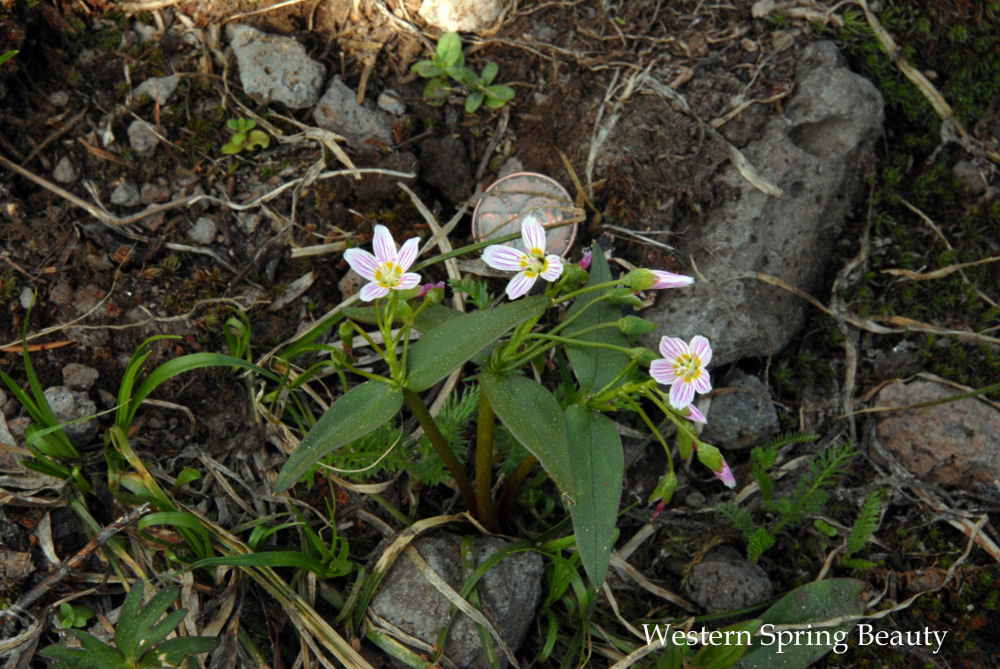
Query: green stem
x,y
513,486
632,404
484,465
537,350
440,444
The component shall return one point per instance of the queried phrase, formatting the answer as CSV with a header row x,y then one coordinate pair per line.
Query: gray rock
x,y
125,194
79,376
813,153
275,68
970,176
445,166
957,443
143,138
159,89
65,171
509,593
67,405
8,459
743,416
389,101
203,231
145,32
723,580
338,111
461,15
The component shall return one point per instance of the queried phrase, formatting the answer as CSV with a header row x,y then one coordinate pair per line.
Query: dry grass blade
x,y
624,567
939,273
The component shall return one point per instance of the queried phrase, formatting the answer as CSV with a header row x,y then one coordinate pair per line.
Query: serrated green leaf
x,y
533,416
359,411
595,451
473,101
596,367
489,73
451,344
449,50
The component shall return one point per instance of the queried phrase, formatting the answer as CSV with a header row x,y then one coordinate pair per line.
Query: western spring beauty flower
x,y
726,475
682,367
529,264
386,270
655,279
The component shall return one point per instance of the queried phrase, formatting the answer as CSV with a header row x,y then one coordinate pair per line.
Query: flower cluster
x,y
683,366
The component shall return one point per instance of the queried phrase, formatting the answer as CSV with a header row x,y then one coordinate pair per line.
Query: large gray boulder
x,y
814,153
275,68
509,593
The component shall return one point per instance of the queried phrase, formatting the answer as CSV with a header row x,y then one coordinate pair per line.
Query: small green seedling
x,y
449,62
4,57
72,616
244,136
140,638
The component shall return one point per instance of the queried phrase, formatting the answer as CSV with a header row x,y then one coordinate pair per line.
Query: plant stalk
x,y
419,409
513,485
484,465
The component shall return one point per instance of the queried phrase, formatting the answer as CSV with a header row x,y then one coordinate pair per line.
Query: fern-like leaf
x,y
764,456
865,525
739,517
810,493
757,543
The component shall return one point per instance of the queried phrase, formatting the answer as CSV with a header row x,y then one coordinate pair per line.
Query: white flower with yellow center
x,y
529,264
682,367
386,270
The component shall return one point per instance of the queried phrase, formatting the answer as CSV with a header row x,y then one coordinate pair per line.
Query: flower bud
x,y
347,334
640,279
665,488
625,296
633,325
712,458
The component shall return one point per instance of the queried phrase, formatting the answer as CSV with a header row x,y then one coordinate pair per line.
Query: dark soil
x,y
101,290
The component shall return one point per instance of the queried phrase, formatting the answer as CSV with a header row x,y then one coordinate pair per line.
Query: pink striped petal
x,y
670,280
504,258
703,383
672,348
555,268
519,285
702,349
362,262
372,290
681,394
408,280
662,371
408,253
726,475
532,234
383,244
694,415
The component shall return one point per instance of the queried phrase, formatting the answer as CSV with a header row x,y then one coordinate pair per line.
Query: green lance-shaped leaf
x,y
595,367
359,411
595,451
810,603
533,416
457,341
736,640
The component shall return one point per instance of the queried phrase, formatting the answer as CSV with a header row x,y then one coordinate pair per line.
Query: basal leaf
x,y
533,416
453,343
359,411
595,451
449,50
596,367
812,602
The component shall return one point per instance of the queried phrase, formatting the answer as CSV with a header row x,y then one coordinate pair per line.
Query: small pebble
x,y
389,101
143,138
203,231
151,193
27,295
159,89
125,195
79,376
65,172
59,98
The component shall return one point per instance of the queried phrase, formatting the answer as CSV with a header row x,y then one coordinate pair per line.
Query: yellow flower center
x,y
535,262
687,367
387,275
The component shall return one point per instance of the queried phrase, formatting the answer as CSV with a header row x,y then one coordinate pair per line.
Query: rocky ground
x,y
843,239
